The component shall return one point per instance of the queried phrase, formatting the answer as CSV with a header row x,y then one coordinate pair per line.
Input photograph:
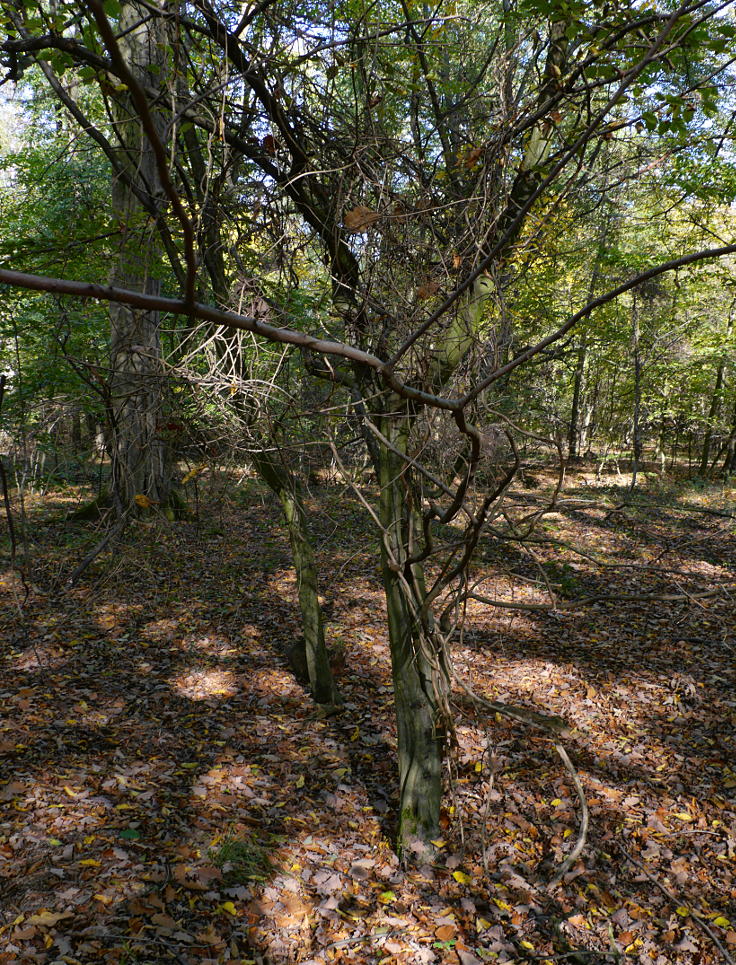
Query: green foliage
x,y
242,859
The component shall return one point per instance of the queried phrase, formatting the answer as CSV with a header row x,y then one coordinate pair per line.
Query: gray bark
x,y
419,680
139,458
318,671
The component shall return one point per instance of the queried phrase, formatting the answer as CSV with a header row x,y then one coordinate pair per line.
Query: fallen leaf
x,y
47,918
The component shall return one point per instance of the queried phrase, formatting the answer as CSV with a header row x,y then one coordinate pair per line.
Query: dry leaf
x,y
427,290
163,921
197,879
360,218
47,918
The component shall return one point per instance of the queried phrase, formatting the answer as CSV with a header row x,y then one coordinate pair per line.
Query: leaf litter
x,y
168,793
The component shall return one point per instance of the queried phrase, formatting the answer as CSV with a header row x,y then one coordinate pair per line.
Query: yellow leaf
x,y
197,469
386,897
229,907
461,877
568,832
481,924
478,767
556,803
54,841
90,863
300,781
527,945
439,843
69,792
503,905
683,816
47,918
123,807
682,911
143,501
105,899
722,922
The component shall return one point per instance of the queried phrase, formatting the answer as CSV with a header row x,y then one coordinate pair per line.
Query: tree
x,y
418,156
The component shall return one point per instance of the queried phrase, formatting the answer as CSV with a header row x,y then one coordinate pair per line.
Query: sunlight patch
x,y
201,684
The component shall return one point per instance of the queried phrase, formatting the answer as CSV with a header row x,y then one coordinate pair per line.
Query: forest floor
x,y
169,794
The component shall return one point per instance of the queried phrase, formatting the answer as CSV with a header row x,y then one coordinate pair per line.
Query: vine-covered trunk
x,y
139,454
319,672
418,680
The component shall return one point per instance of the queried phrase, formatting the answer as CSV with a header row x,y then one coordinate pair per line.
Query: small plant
x,y
241,859
564,576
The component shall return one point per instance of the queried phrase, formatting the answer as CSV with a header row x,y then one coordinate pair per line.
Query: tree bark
x,y
321,680
419,680
715,405
636,419
573,436
140,462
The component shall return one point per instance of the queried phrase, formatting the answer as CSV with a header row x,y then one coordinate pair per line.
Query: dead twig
x,y
98,548
584,819
677,902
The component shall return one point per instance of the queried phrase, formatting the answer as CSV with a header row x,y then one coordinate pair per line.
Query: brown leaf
x,y
197,879
467,957
445,933
472,157
427,290
163,921
360,218
11,790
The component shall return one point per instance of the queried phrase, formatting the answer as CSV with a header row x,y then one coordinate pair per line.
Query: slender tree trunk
x,y
417,676
139,457
715,405
729,463
321,680
635,427
573,436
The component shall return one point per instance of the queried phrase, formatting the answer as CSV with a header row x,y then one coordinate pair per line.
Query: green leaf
x,y
130,834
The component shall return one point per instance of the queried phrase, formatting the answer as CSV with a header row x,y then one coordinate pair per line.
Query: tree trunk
x,y
321,681
418,679
139,458
636,420
573,436
715,405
